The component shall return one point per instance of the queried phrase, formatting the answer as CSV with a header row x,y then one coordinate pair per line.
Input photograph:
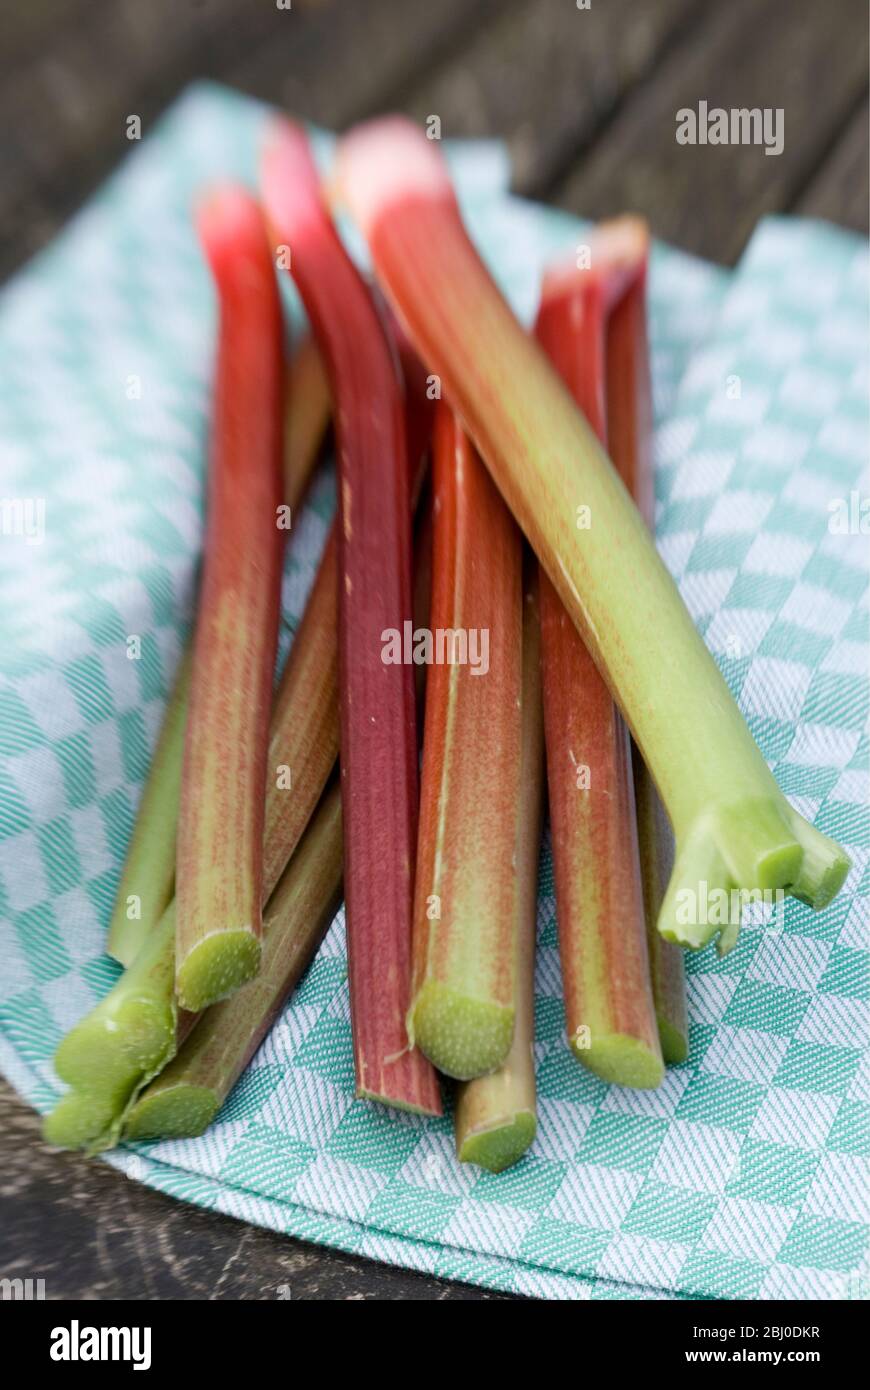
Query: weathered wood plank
x,y
71,102
68,108
339,62
92,1233
840,189
749,53
38,24
546,77
64,113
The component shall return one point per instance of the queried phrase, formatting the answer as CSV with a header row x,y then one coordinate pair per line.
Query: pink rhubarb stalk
x,y
378,735
733,826
220,837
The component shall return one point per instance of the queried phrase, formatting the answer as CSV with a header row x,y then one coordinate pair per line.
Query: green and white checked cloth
x,y
743,1176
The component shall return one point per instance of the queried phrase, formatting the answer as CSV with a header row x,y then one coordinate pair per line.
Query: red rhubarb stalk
x,y
378,736
733,826
465,941
629,435
609,1010
148,881
220,839
306,417
495,1116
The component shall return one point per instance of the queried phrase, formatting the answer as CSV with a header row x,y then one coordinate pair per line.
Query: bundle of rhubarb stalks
x,y
495,499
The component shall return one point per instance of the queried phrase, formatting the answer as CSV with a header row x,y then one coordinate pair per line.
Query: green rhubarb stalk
x,y
186,1096
220,829
733,826
666,968
496,1115
115,1049
134,1031
148,879
464,940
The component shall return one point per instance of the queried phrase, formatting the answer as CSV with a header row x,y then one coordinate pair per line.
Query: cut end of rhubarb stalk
x,y
674,1040
180,1112
746,854
216,966
287,165
105,1060
617,248
385,161
227,217
117,1048
464,1037
83,1120
105,1049
501,1145
622,1061
824,866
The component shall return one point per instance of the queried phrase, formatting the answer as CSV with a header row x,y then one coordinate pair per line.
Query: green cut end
x,y
177,1112
110,1049
502,1145
824,868
216,966
462,1036
779,867
82,1120
829,882
674,1043
623,1061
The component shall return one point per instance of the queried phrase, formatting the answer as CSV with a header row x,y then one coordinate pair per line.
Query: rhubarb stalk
x,y
186,1096
220,835
307,412
147,882
464,950
134,1031
609,1010
495,1117
378,738
629,435
733,826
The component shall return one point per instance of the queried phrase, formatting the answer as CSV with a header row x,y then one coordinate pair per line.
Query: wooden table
x,y
586,100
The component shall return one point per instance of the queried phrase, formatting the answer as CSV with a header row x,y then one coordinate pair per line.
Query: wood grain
x,y
339,62
766,53
546,76
91,1232
838,189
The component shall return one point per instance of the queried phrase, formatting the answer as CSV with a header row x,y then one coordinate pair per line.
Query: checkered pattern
x,y
741,1176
